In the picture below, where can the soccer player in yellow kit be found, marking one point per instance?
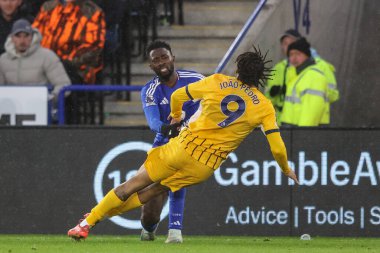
(231, 107)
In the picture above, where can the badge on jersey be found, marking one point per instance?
(149, 100)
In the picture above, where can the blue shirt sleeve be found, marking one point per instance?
(151, 111)
(152, 115)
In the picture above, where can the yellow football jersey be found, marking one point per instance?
(229, 110)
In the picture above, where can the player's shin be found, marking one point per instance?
(131, 203)
(109, 202)
(176, 206)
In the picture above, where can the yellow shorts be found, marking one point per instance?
(171, 165)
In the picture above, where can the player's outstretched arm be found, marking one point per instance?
(278, 150)
(178, 98)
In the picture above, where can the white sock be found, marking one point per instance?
(83, 223)
(175, 231)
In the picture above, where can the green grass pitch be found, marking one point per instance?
(196, 244)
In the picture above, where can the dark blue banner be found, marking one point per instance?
(50, 177)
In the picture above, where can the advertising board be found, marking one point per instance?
(51, 176)
(23, 106)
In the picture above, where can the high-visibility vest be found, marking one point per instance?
(306, 98)
(283, 74)
(332, 91)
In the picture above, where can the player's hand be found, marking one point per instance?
(293, 176)
(174, 120)
(275, 90)
(171, 130)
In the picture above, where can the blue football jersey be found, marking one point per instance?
(155, 98)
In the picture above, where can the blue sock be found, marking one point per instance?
(176, 207)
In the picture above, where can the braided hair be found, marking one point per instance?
(251, 68)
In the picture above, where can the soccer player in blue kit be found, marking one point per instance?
(155, 97)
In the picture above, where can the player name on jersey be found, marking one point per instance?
(237, 85)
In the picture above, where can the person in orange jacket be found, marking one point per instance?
(75, 31)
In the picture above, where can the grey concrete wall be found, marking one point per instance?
(344, 32)
(360, 103)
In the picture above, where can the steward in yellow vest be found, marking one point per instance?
(283, 73)
(306, 98)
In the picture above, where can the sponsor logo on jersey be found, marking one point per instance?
(164, 101)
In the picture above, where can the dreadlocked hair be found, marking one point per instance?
(251, 68)
(158, 44)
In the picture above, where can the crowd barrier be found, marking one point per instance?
(25, 105)
(51, 176)
(32, 106)
(87, 89)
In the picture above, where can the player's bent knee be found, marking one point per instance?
(135, 184)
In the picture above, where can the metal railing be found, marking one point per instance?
(240, 36)
(92, 88)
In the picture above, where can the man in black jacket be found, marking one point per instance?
(10, 10)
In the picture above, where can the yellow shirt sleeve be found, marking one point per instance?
(179, 97)
(278, 150)
(269, 122)
(276, 143)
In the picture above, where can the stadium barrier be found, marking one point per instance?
(25, 105)
(53, 175)
(87, 89)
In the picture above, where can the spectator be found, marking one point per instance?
(10, 11)
(75, 31)
(25, 62)
(283, 73)
(33, 6)
(114, 11)
(306, 94)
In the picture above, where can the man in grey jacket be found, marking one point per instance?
(25, 62)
